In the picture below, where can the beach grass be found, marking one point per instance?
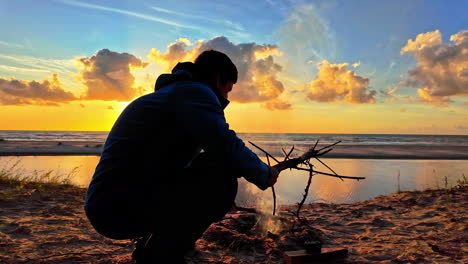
(13, 173)
(463, 181)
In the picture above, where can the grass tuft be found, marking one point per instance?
(16, 174)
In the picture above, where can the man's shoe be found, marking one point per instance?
(138, 252)
(144, 253)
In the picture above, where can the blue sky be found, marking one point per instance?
(369, 32)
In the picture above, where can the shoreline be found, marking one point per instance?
(46, 223)
(397, 152)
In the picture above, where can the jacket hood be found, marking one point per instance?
(184, 71)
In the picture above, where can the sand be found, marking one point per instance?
(62, 148)
(43, 223)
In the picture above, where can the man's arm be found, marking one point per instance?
(199, 113)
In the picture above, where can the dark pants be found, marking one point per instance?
(175, 212)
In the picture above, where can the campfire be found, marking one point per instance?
(272, 237)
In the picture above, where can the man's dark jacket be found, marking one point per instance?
(162, 132)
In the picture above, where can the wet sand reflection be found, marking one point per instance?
(381, 178)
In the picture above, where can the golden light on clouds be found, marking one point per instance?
(335, 83)
(48, 92)
(176, 52)
(266, 98)
(258, 80)
(441, 72)
(107, 76)
(267, 51)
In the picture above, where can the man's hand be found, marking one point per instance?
(274, 173)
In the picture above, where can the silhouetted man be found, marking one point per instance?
(170, 164)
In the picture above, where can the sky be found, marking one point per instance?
(328, 66)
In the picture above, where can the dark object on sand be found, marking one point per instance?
(313, 246)
(59, 144)
(327, 255)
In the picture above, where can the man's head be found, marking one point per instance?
(216, 70)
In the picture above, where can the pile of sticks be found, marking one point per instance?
(299, 163)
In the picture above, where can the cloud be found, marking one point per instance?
(47, 92)
(390, 94)
(176, 52)
(442, 68)
(40, 64)
(335, 83)
(258, 71)
(107, 75)
(277, 104)
(425, 96)
(215, 21)
(305, 36)
(357, 64)
(13, 45)
(14, 69)
(128, 13)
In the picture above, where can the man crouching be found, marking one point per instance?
(170, 164)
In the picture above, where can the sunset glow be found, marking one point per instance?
(304, 66)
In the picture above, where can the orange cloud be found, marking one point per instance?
(335, 83)
(277, 104)
(47, 92)
(258, 70)
(442, 68)
(107, 75)
(176, 52)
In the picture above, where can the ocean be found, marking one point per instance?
(383, 176)
(269, 141)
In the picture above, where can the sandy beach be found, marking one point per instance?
(44, 223)
(63, 148)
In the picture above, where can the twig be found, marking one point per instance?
(289, 153)
(285, 154)
(332, 175)
(268, 154)
(274, 199)
(272, 189)
(323, 163)
(306, 192)
(331, 145)
(316, 143)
